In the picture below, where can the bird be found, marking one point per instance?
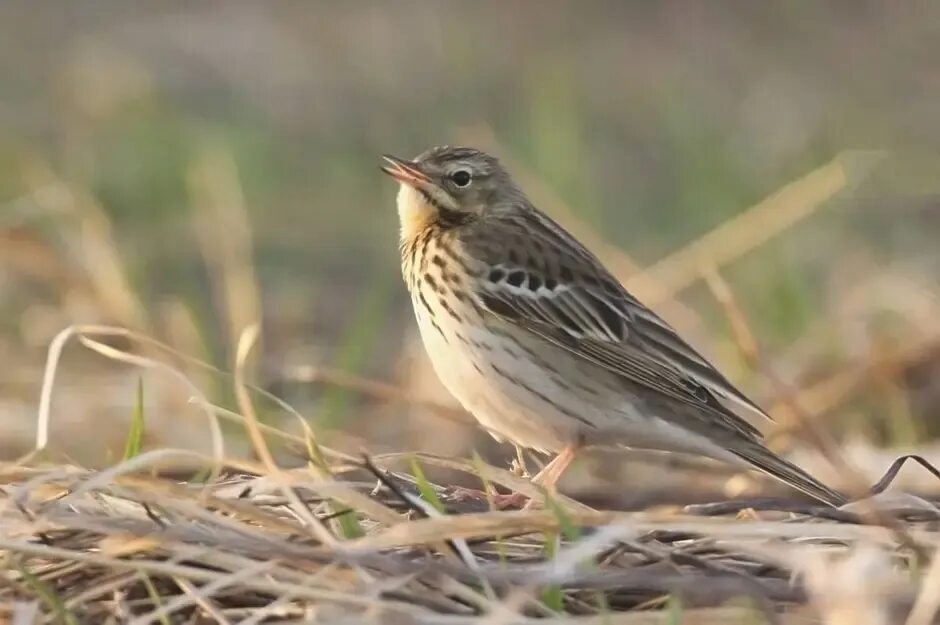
(542, 344)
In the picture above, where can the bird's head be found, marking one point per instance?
(448, 186)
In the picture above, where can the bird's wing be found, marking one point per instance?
(548, 284)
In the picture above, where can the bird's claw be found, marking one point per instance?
(500, 501)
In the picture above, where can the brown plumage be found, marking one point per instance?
(541, 343)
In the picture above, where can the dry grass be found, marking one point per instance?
(345, 539)
(134, 544)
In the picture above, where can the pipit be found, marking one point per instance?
(539, 342)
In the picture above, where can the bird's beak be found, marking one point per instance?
(406, 172)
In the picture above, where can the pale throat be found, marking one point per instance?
(415, 213)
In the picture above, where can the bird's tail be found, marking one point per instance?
(788, 473)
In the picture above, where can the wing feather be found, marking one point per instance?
(593, 317)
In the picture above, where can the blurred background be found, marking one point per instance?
(765, 175)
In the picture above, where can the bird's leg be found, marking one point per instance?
(519, 466)
(549, 476)
(500, 501)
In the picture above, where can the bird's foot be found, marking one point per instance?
(500, 501)
(518, 465)
(511, 501)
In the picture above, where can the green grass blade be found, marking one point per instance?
(154, 596)
(424, 486)
(314, 453)
(552, 595)
(603, 606)
(136, 435)
(488, 490)
(487, 486)
(673, 611)
(346, 523)
(569, 530)
(201, 476)
(47, 595)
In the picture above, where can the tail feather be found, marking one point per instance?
(790, 474)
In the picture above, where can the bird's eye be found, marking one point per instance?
(461, 177)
